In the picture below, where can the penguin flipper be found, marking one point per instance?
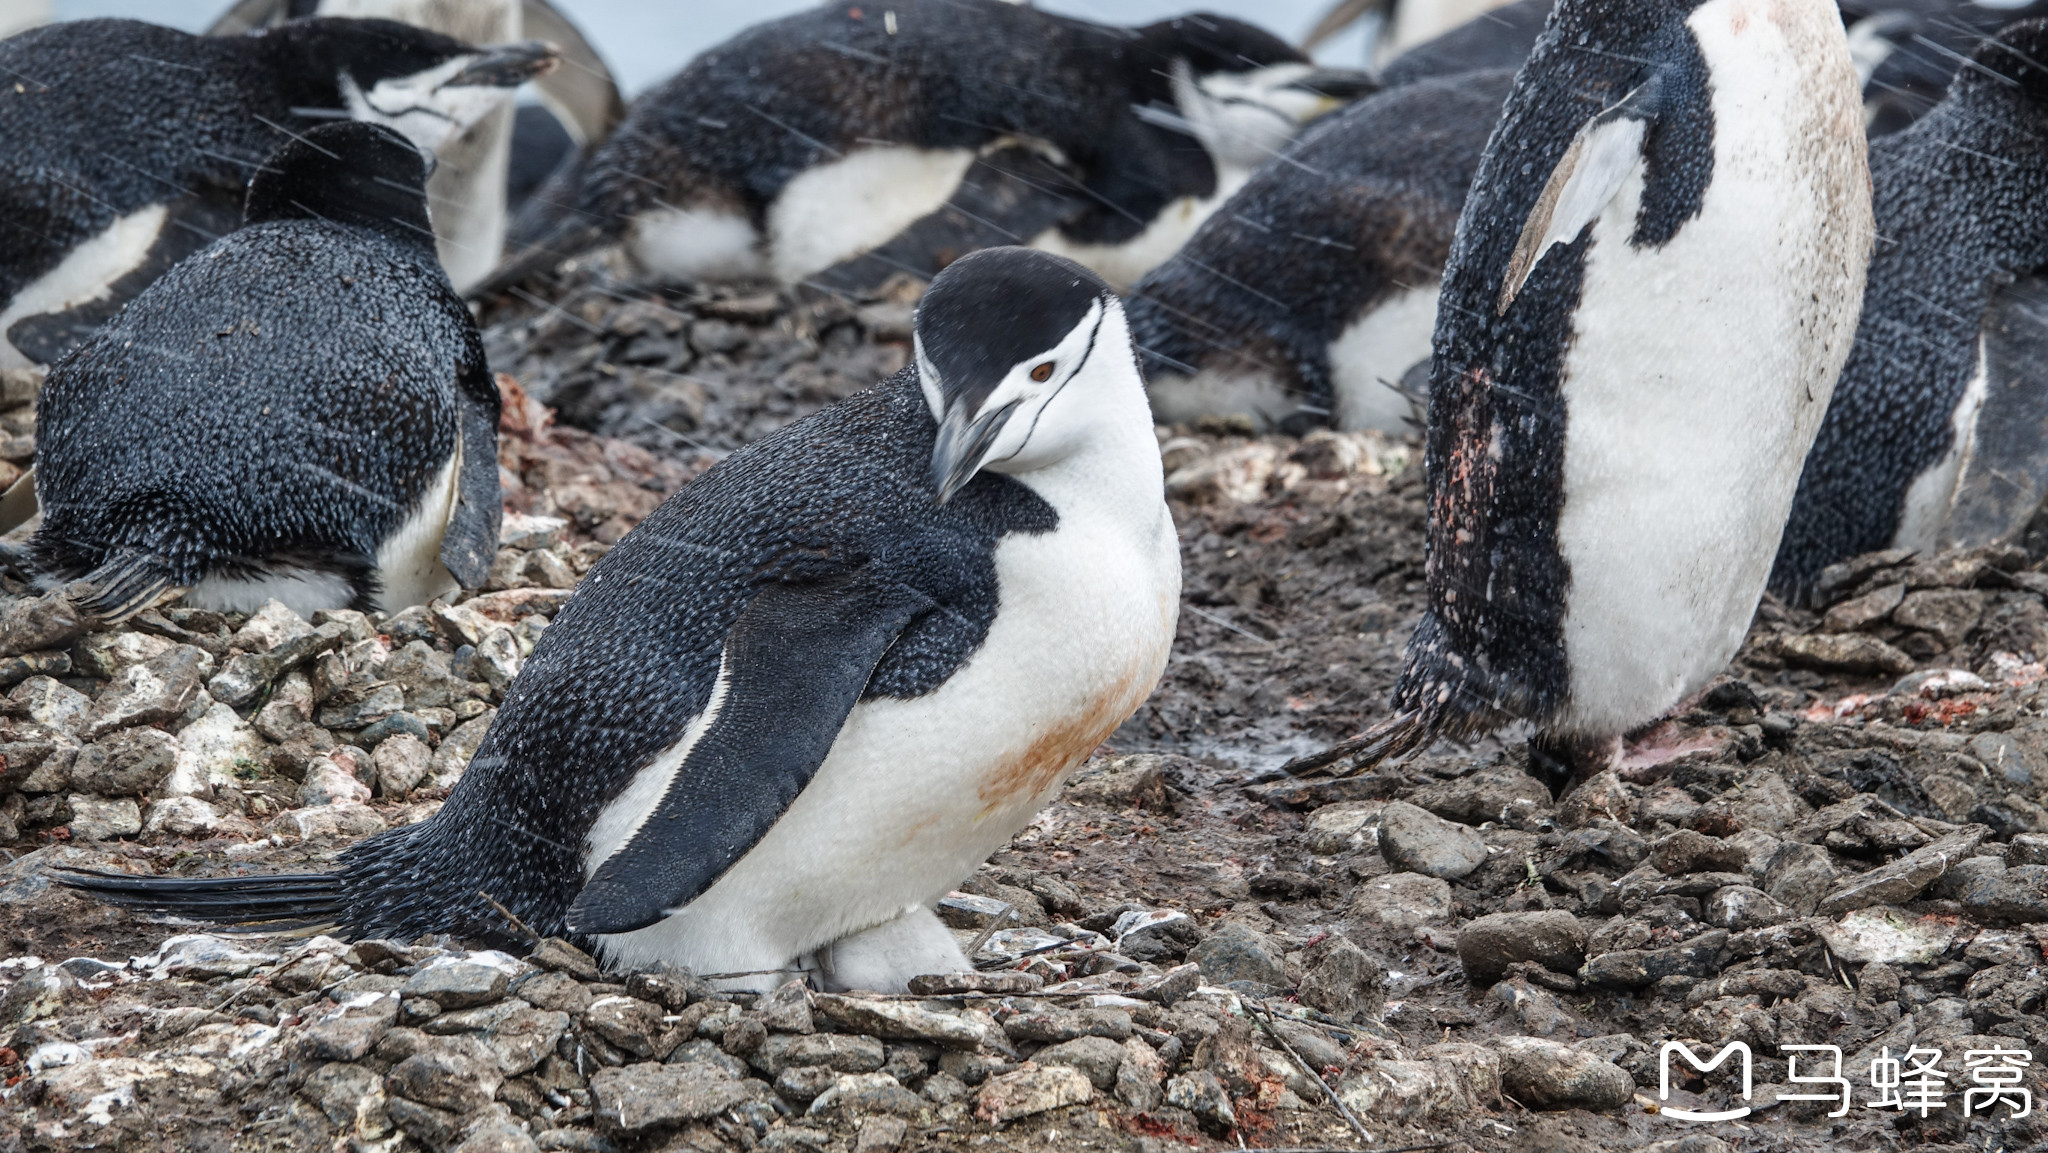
(1607, 148)
(470, 541)
(2004, 476)
(1006, 197)
(795, 663)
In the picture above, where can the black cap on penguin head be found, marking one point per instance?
(363, 175)
(1212, 43)
(2015, 60)
(367, 50)
(997, 334)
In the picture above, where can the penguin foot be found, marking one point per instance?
(886, 957)
(1562, 760)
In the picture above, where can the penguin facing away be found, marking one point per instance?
(1938, 432)
(300, 411)
(1635, 347)
(753, 162)
(803, 699)
(1310, 297)
(129, 145)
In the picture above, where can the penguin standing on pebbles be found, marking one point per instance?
(1309, 299)
(1653, 288)
(1108, 145)
(300, 411)
(1938, 433)
(128, 145)
(819, 685)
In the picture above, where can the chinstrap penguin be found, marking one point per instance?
(128, 145)
(1310, 296)
(300, 410)
(821, 683)
(1908, 51)
(471, 187)
(1652, 290)
(806, 142)
(1938, 433)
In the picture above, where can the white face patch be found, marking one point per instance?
(1244, 118)
(1039, 430)
(424, 107)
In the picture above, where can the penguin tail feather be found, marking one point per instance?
(1397, 736)
(125, 585)
(266, 904)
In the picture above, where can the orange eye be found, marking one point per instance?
(1042, 373)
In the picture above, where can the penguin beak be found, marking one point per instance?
(1337, 86)
(962, 443)
(508, 66)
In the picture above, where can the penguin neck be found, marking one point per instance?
(1114, 473)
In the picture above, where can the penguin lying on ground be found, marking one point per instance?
(1653, 288)
(1310, 296)
(805, 142)
(128, 145)
(470, 189)
(1497, 39)
(1938, 433)
(821, 683)
(300, 411)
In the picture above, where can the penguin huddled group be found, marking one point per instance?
(1621, 272)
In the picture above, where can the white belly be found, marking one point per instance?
(916, 793)
(839, 209)
(1369, 357)
(1244, 391)
(1700, 371)
(1923, 516)
(1123, 265)
(85, 274)
(689, 245)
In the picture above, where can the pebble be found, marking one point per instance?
(1903, 879)
(633, 1025)
(1402, 901)
(457, 1074)
(1239, 953)
(104, 819)
(1098, 1058)
(899, 1021)
(455, 984)
(1035, 1089)
(1488, 945)
(1544, 1074)
(1203, 1095)
(634, 1098)
(1686, 851)
(1340, 979)
(859, 1093)
(1418, 841)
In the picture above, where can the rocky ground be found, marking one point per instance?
(1842, 843)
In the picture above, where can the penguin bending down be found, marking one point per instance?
(1938, 433)
(1310, 297)
(753, 162)
(1653, 288)
(819, 685)
(300, 411)
(470, 188)
(128, 145)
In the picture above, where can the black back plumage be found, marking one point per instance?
(744, 118)
(288, 393)
(1958, 201)
(1497, 39)
(1360, 207)
(107, 117)
(1930, 39)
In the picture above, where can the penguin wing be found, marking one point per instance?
(470, 541)
(2005, 471)
(1607, 148)
(1006, 197)
(794, 665)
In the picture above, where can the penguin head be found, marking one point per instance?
(365, 175)
(429, 87)
(2015, 62)
(1022, 355)
(1242, 91)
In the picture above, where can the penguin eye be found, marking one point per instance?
(1042, 373)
